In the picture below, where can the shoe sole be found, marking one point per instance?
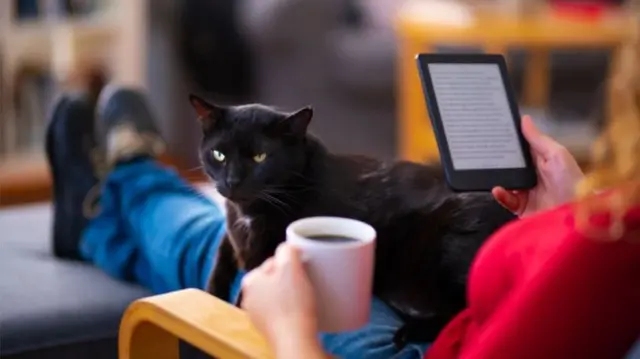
(59, 194)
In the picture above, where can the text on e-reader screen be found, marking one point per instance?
(477, 119)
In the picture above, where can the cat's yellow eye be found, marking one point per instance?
(218, 156)
(260, 157)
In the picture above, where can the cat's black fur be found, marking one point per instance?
(427, 234)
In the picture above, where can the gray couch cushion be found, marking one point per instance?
(46, 302)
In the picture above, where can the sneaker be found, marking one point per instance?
(70, 143)
(126, 129)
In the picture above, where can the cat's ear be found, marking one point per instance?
(208, 113)
(298, 121)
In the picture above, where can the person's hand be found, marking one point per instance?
(280, 302)
(558, 175)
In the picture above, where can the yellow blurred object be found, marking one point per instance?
(496, 32)
(151, 328)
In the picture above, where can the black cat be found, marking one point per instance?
(272, 173)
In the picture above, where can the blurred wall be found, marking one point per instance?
(168, 89)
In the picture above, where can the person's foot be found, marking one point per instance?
(126, 129)
(70, 144)
(81, 150)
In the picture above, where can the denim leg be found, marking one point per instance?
(154, 229)
(373, 341)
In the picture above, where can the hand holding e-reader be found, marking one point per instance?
(476, 122)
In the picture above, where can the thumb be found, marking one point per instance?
(287, 254)
(540, 143)
(248, 279)
(514, 202)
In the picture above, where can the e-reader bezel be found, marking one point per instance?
(476, 179)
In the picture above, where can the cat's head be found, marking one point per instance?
(251, 151)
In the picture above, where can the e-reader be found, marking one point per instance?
(476, 122)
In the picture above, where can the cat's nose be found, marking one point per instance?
(233, 182)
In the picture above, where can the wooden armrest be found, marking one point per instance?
(151, 327)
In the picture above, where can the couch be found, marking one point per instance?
(53, 308)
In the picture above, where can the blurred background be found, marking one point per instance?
(352, 60)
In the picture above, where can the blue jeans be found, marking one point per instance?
(156, 230)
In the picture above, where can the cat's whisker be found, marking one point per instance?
(277, 200)
(300, 175)
(198, 168)
(280, 191)
(192, 179)
(292, 188)
(288, 186)
(200, 194)
(273, 201)
(291, 199)
(286, 204)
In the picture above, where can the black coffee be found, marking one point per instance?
(331, 238)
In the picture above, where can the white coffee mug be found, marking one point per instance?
(341, 272)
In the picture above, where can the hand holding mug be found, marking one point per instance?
(319, 280)
(279, 298)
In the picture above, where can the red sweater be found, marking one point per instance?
(538, 289)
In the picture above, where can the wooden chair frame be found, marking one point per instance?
(152, 327)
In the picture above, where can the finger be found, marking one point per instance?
(248, 279)
(523, 200)
(295, 256)
(507, 199)
(287, 254)
(541, 144)
(513, 201)
(268, 265)
(283, 254)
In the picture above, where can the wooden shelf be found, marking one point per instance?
(45, 43)
(26, 179)
(113, 39)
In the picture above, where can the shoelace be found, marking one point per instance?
(90, 206)
(136, 144)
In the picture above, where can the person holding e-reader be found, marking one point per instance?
(476, 122)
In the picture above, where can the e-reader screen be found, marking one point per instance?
(474, 109)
